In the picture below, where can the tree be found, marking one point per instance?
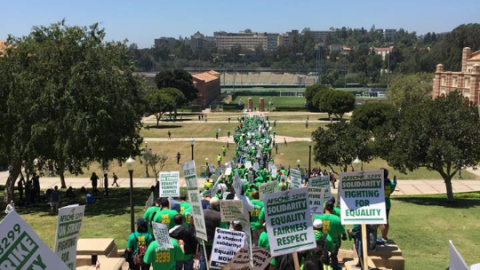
(152, 160)
(374, 116)
(440, 135)
(408, 90)
(177, 96)
(179, 79)
(159, 103)
(340, 144)
(67, 96)
(336, 102)
(312, 90)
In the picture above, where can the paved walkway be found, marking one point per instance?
(278, 138)
(405, 187)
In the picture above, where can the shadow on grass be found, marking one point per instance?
(163, 127)
(463, 200)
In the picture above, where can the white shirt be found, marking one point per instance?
(9, 208)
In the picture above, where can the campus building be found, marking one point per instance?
(3, 48)
(287, 38)
(168, 42)
(383, 51)
(467, 81)
(247, 40)
(320, 36)
(199, 42)
(208, 85)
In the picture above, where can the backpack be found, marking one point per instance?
(322, 250)
(139, 253)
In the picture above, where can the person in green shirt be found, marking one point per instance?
(224, 150)
(263, 243)
(140, 238)
(219, 160)
(208, 184)
(165, 216)
(164, 258)
(389, 188)
(256, 226)
(150, 212)
(333, 226)
(185, 210)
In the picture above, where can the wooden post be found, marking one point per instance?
(295, 261)
(364, 247)
(207, 260)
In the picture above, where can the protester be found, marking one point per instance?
(20, 184)
(165, 215)
(164, 258)
(150, 213)
(54, 201)
(115, 179)
(69, 193)
(255, 225)
(94, 180)
(178, 157)
(185, 209)
(389, 187)
(212, 221)
(224, 150)
(219, 160)
(137, 245)
(105, 184)
(169, 135)
(207, 195)
(36, 184)
(10, 207)
(187, 235)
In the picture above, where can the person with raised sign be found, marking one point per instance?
(165, 215)
(389, 187)
(333, 226)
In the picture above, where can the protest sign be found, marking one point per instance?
(22, 249)
(160, 231)
(273, 170)
(149, 201)
(456, 260)
(238, 184)
(228, 171)
(268, 188)
(321, 182)
(231, 210)
(248, 237)
(241, 260)
(316, 197)
(289, 225)
(248, 164)
(190, 174)
(295, 179)
(362, 197)
(68, 227)
(219, 171)
(225, 244)
(256, 166)
(169, 184)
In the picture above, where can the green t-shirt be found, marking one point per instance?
(330, 244)
(257, 208)
(166, 217)
(336, 211)
(389, 189)
(148, 216)
(138, 239)
(161, 258)
(263, 242)
(208, 185)
(261, 216)
(331, 225)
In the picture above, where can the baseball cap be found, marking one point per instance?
(318, 224)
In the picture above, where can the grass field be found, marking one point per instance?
(277, 101)
(421, 225)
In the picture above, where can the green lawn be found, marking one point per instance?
(420, 225)
(277, 101)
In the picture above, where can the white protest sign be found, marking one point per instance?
(316, 197)
(231, 210)
(160, 231)
(149, 201)
(295, 179)
(68, 227)
(248, 237)
(273, 170)
(289, 225)
(261, 259)
(228, 171)
(238, 184)
(456, 260)
(256, 166)
(321, 182)
(248, 164)
(22, 249)
(362, 198)
(225, 244)
(268, 188)
(169, 184)
(190, 174)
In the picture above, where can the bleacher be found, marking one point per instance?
(268, 78)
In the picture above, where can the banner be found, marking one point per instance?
(190, 174)
(268, 188)
(160, 231)
(289, 225)
(316, 197)
(261, 259)
(295, 179)
(321, 182)
(22, 249)
(456, 260)
(238, 184)
(169, 184)
(225, 244)
(68, 228)
(362, 198)
(231, 210)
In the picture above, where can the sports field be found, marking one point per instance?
(276, 101)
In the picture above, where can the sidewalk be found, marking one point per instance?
(404, 187)
(224, 139)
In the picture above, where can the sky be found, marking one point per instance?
(142, 21)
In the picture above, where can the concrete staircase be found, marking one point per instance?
(106, 250)
(384, 257)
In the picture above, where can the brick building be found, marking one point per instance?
(467, 81)
(208, 85)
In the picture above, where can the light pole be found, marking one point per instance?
(146, 160)
(130, 163)
(309, 156)
(298, 163)
(192, 143)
